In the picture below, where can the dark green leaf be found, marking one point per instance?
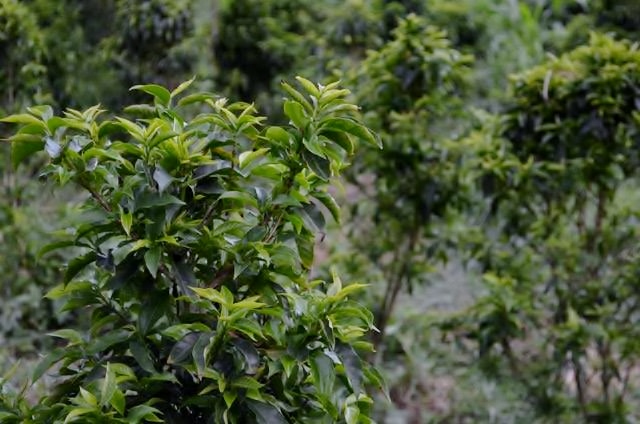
(78, 264)
(150, 200)
(47, 362)
(55, 246)
(142, 356)
(265, 413)
(105, 341)
(352, 365)
(162, 178)
(340, 138)
(319, 165)
(330, 203)
(323, 373)
(152, 259)
(181, 351)
(312, 217)
(250, 355)
(306, 250)
(156, 306)
(199, 352)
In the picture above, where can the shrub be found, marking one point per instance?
(561, 273)
(196, 244)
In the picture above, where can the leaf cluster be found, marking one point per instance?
(195, 250)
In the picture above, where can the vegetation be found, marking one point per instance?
(180, 259)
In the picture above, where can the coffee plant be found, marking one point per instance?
(193, 259)
(411, 89)
(561, 271)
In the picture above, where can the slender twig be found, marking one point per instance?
(97, 197)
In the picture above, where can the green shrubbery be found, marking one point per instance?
(195, 249)
(522, 220)
(561, 271)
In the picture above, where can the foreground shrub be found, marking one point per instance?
(197, 240)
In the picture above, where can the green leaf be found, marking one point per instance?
(118, 402)
(323, 373)
(62, 290)
(352, 366)
(265, 413)
(162, 95)
(141, 111)
(78, 264)
(312, 217)
(352, 127)
(132, 128)
(295, 112)
(211, 294)
(78, 412)
(271, 171)
(352, 414)
(248, 327)
(181, 351)
(54, 246)
(246, 383)
(374, 377)
(319, 165)
(229, 397)
(72, 336)
(183, 86)
(199, 353)
(340, 138)
(196, 98)
(21, 150)
(108, 387)
(151, 200)
(152, 259)
(246, 158)
(279, 135)
(44, 112)
(336, 286)
(88, 397)
(162, 178)
(102, 343)
(142, 356)
(330, 203)
(309, 86)
(306, 250)
(156, 306)
(250, 355)
(315, 146)
(241, 197)
(126, 219)
(247, 304)
(143, 412)
(22, 118)
(297, 96)
(346, 291)
(47, 362)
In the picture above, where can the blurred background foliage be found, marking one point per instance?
(498, 228)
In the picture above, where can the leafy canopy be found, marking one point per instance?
(196, 245)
